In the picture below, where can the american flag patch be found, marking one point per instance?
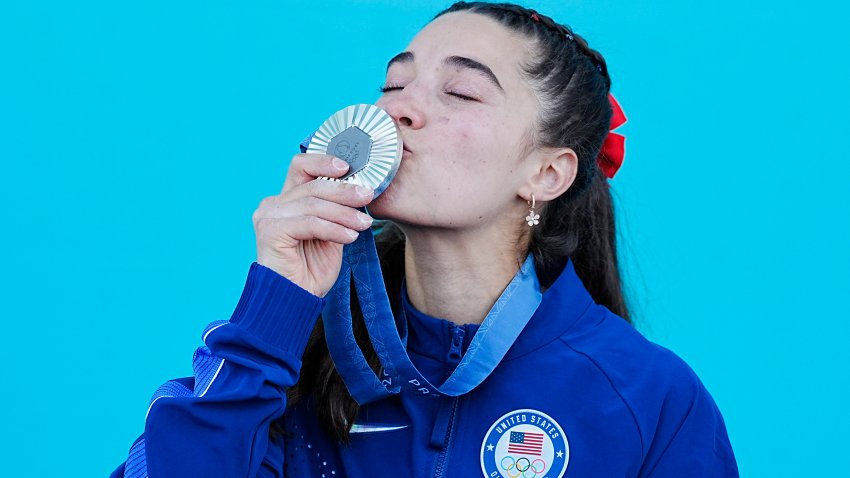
(526, 443)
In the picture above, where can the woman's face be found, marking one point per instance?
(465, 116)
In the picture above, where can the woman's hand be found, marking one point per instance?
(301, 231)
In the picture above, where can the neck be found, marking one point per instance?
(458, 275)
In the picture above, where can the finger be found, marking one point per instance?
(308, 166)
(347, 194)
(327, 210)
(307, 228)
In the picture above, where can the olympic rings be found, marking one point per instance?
(509, 467)
(524, 467)
(542, 464)
(526, 464)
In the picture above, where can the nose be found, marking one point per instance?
(403, 108)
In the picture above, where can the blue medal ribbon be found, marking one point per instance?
(496, 334)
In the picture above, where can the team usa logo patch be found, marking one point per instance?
(525, 444)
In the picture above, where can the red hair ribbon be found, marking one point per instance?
(614, 147)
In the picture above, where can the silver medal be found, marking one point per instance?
(365, 137)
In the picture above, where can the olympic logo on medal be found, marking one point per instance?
(525, 444)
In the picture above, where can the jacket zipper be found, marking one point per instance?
(454, 355)
(440, 468)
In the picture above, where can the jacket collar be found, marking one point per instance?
(562, 305)
(432, 336)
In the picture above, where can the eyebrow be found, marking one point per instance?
(403, 57)
(455, 61)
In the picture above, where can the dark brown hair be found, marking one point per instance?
(572, 84)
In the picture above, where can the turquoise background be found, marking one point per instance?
(136, 140)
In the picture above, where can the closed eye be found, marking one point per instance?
(384, 89)
(463, 97)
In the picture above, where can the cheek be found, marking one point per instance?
(474, 145)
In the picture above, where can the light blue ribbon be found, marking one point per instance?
(495, 336)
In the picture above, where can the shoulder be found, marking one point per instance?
(660, 389)
(627, 357)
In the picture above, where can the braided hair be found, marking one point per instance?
(571, 83)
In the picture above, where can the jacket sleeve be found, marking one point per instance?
(216, 423)
(691, 438)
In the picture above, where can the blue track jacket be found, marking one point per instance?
(580, 394)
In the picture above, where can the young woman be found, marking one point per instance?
(503, 113)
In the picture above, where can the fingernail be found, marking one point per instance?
(364, 191)
(365, 219)
(351, 233)
(339, 164)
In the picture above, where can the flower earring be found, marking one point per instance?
(532, 219)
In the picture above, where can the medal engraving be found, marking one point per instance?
(353, 147)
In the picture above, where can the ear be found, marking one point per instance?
(555, 172)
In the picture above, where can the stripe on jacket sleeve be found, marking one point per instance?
(212, 326)
(170, 388)
(136, 465)
(206, 368)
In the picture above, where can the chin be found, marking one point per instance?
(385, 206)
(390, 206)
(401, 204)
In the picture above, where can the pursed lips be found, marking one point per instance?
(405, 150)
